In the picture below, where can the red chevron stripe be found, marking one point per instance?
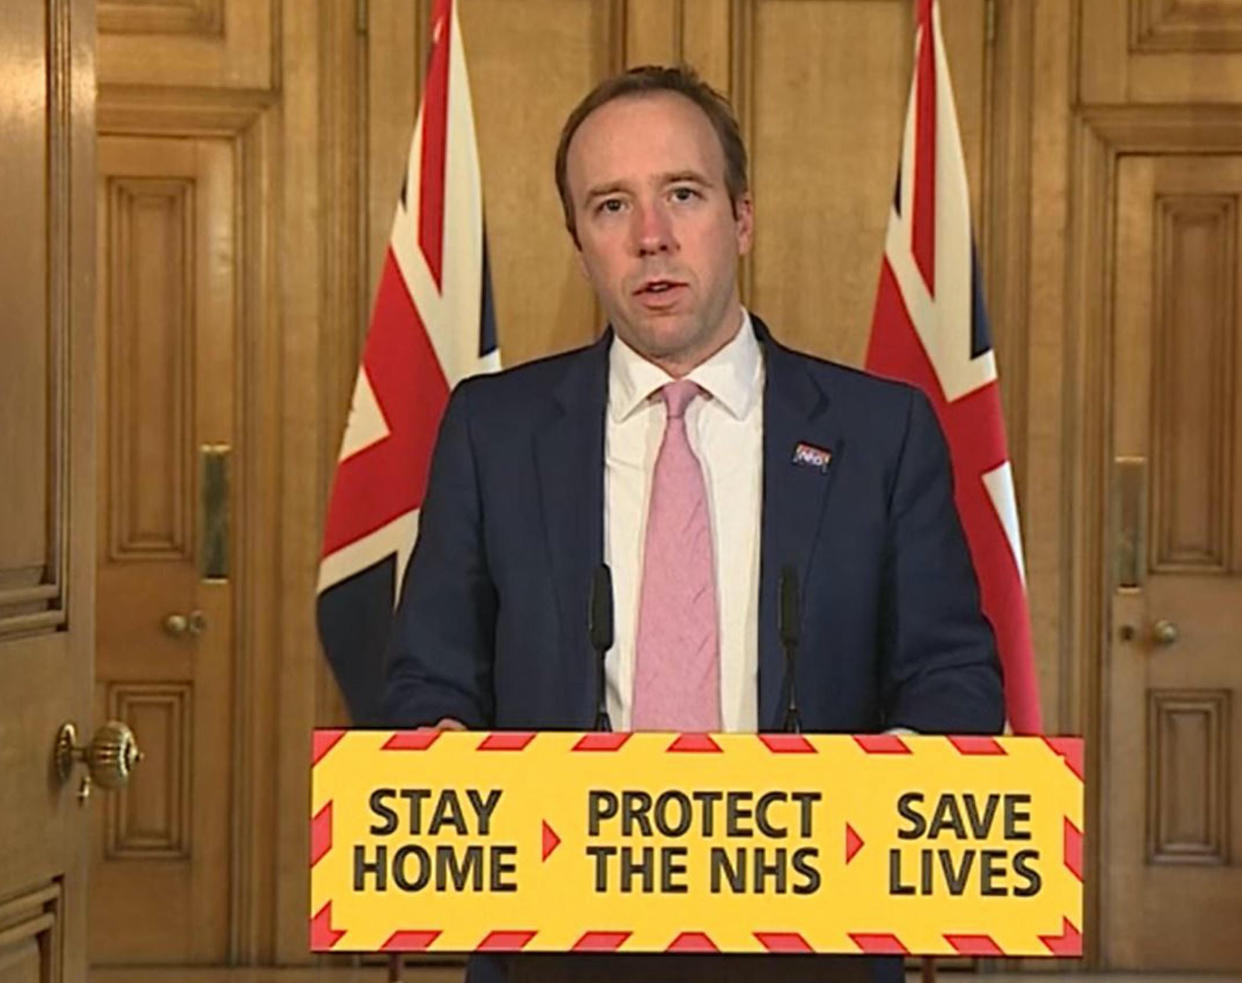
(1072, 847)
(879, 944)
(323, 741)
(1071, 750)
(881, 743)
(601, 742)
(783, 942)
(692, 942)
(977, 745)
(505, 741)
(1068, 943)
(410, 940)
(321, 834)
(787, 744)
(508, 941)
(322, 935)
(411, 740)
(600, 941)
(974, 945)
(694, 744)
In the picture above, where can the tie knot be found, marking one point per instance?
(677, 396)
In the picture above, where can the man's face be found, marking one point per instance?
(657, 236)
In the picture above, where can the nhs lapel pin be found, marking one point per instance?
(810, 456)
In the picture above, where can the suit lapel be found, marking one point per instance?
(569, 461)
(795, 411)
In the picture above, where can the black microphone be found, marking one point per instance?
(599, 627)
(789, 629)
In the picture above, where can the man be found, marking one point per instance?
(700, 459)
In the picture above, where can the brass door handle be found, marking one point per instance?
(1164, 632)
(109, 758)
(178, 625)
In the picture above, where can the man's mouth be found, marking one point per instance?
(656, 287)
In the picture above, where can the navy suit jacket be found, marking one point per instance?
(492, 625)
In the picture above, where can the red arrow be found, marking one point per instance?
(853, 843)
(550, 840)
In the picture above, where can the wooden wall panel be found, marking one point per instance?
(1188, 767)
(30, 936)
(521, 98)
(31, 379)
(1185, 26)
(1193, 389)
(209, 43)
(825, 91)
(194, 17)
(543, 304)
(1161, 51)
(151, 819)
(150, 289)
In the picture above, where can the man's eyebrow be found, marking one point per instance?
(676, 177)
(600, 190)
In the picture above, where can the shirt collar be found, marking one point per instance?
(733, 375)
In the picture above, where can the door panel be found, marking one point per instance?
(1174, 887)
(167, 302)
(46, 447)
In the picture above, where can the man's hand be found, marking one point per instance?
(445, 723)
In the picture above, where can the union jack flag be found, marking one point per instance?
(432, 325)
(930, 328)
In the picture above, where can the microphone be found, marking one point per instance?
(599, 627)
(789, 623)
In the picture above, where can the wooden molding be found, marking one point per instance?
(204, 18)
(1164, 26)
(741, 93)
(31, 930)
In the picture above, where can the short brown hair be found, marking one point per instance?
(658, 78)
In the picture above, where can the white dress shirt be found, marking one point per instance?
(725, 428)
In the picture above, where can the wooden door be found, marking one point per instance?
(1173, 891)
(160, 863)
(47, 96)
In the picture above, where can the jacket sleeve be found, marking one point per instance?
(940, 668)
(440, 650)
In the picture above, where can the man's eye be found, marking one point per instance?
(612, 205)
(684, 194)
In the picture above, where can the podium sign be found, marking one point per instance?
(556, 842)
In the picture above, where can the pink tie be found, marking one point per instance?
(677, 681)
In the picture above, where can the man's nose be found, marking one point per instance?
(653, 232)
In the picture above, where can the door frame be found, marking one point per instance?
(1100, 136)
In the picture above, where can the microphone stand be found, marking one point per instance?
(600, 629)
(789, 629)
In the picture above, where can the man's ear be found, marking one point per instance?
(581, 260)
(745, 209)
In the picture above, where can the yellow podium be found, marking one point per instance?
(558, 842)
